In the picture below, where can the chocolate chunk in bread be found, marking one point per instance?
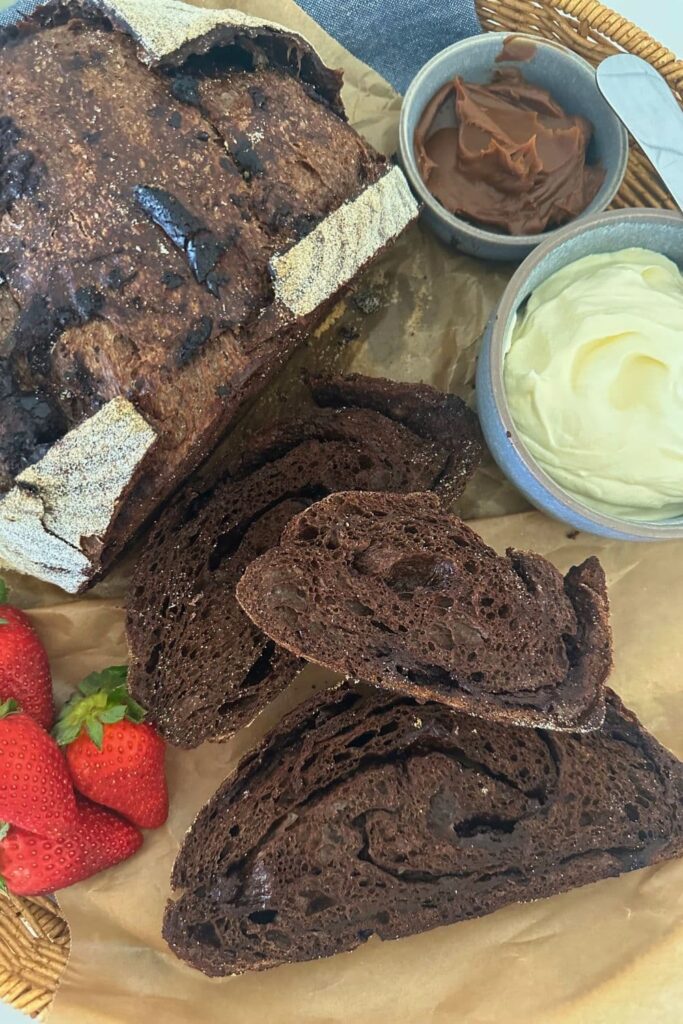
(197, 662)
(393, 590)
(195, 149)
(365, 813)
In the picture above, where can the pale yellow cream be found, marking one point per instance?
(594, 381)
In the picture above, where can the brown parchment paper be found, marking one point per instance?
(610, 952)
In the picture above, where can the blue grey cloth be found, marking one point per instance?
(395, 37)
(9, 15)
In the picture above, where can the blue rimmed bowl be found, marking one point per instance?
(658, 230)
(567, 77)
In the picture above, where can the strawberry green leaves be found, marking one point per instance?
(9, 707)
(101, 699)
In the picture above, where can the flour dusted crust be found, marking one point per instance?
(163, 29)
(343, 243)
(168, 31)
(207, 298)
(52, 520)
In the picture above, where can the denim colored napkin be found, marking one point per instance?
(395, 37)
(16, 11)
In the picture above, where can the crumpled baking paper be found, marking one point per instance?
(609, 952)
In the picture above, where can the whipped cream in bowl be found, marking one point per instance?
(580, 378)
(594, 381)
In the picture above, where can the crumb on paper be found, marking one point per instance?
(336, 313)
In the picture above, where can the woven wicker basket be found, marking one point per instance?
(594, 32)
(34, 939)
(34, 948)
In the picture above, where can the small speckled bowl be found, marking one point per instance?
(566, 76)
(659, 230)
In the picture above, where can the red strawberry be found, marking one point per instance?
(114, 757)
(32, 865)
(36, 792)
(24, 668)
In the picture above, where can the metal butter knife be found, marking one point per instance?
(641, 98)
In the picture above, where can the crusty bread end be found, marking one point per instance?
(54, 519)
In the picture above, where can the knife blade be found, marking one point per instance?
(641, 98)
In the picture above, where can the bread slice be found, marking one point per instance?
(393, 590)
(365, 813)
(197, 662)
(167, 253)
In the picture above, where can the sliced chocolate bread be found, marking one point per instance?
(197, 662)
(394, 590)
(365, 813)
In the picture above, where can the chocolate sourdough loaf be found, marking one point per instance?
(364, 813)
(169, 180)
(393, 590)
(197, 662)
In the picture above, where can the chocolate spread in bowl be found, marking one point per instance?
(516, 48)
(505, 155)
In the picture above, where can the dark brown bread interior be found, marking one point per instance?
(197, 662)
(394, 590)
(139, 209)
(365, 813)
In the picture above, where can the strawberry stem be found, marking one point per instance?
(10, 707)
(3, 592)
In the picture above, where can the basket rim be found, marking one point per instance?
(609, 24)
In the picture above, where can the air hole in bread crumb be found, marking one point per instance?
(308, 533)
(153, 659)
(205, 933)
(263, 916)
(362, 740)
(387, 728)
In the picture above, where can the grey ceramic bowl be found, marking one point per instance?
(607, 232)
(569, 79)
